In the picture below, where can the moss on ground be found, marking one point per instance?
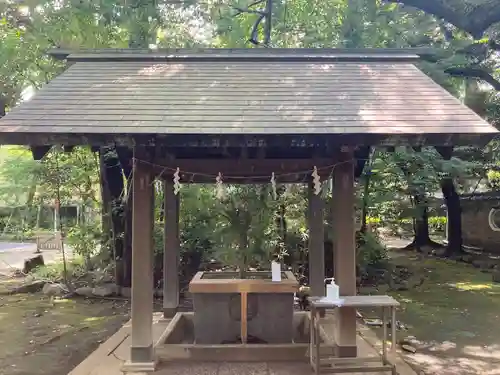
(42, 337)
(454, 314)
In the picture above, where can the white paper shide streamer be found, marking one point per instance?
(176, 179)
(316, 181)
(219, 187)
(273, 186)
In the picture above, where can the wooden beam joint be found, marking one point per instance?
(445, 151)
(39, 152)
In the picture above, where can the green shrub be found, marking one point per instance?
(85, 240)
(55, 271)
(437, 224)
(372, 258)
(370, 251)
(374, 222)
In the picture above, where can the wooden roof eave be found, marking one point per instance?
(199, 104)
(268, 140)
(243, 54)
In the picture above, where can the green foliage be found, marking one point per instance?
(437, 224)
(84, 239)
(73, 174)
(16, 167)
(245, 228)
(493, 179)
(404, 182)
(198, 220)
(29, 188)
(54, 272)
(370, 253)
(371, 220)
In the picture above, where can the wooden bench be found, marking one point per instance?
(49, 241)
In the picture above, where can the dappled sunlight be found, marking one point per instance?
(449, 365)
(151, 70)
(10, 281)
(94, 318)
(64, 301)
(448, 358)
(442, 347)
(486, 352)
(163, 70)
(63, 326)
(474, 286)
(453, 316)
(367, 69)
(405, 300)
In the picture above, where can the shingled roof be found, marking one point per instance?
(252, 93)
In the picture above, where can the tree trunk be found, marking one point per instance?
(161, 217)
(113, 180)
(39, 215)
(243, 248)
(127, 253)
(107, 227)
(282, 229)
(125, 158)
(421, 237)
(454, 210)
(27, 214)
(364, 207)
(421, 219)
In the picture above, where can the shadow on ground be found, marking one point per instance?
(453, 315)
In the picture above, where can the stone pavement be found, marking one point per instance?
(110, 356)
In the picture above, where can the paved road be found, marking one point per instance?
(13, 255)
(9, 246)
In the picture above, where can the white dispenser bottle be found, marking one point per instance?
(332, 290)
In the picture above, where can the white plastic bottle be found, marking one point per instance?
(332, 290)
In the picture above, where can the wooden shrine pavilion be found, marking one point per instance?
(243, 114)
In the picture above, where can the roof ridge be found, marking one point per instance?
(243, 54)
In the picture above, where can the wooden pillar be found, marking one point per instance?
(316, 243)
(142, 355)
(170, 251)
(345, 252)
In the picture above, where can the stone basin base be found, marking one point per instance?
(177, 343)
(254, 310)
(217, 318)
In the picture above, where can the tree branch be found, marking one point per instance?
(483, 16)
(263, 15)
(474, 19)
(474, 73)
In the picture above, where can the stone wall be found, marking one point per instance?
(217, 317)
(476, 230)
